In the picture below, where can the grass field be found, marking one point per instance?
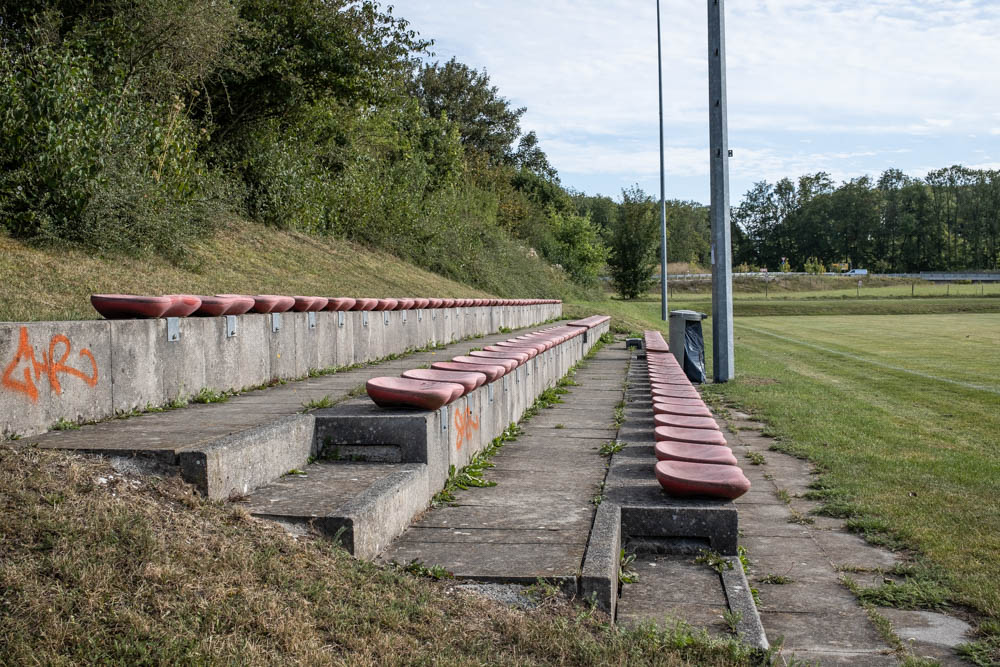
(903, 415)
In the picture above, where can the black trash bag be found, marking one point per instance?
(694, 353)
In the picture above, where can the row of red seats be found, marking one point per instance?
(447, 381)
(693, 457)
(128, 306)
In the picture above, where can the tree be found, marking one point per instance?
(634, 244)
(486, 121)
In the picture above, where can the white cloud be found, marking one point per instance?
(854, 77)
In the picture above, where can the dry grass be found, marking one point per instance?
(55, 284)
(100, 568)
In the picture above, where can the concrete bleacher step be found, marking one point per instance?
(231, 448)
(359, 504)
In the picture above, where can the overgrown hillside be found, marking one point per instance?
(141, 126)
(49, 283)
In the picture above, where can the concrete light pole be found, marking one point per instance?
(722, 254)
(663, 180)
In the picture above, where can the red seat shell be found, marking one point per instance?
(272, 303)
(674, 391)
(183, 305)
(217, 306)
(519, 357)
(303, 303)
(686, 451)
(681, 410)
(491, 371)
(682, 478)
(241, 303)
(699, 436)
(340, 303)
(508, 364)
(682, 421)
(393, 392)
(128, 306)
(469, 380)
(319, 303)
(532, 352)
(365, 304)
(385, 304)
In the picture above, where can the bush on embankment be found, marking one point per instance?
(141, 125)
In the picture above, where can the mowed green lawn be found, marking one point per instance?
(903, 414)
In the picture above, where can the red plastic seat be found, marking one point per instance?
(532, 352)
(698, 436)
(508, 364)
(519, 357)
(340, 303)
(217, 306)
(435, 303)
(672, 391)
(128, 306)
(469, 380)
(685, 451)
(421, 303)
(491, 371)
(683, 478)
(365, 304)
(682, 410)
(385, 304)
(183, 305)
(241, 303)
(303, 303)
(447, 303)
(319, 303)
(677, 401)
(405, 304)
(392, 392)
(272, 303)
(682, 421)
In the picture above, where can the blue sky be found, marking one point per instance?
(847, 87)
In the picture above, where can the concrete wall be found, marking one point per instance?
(90, 370)
(452, 435)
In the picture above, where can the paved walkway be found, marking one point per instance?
(819, 619)
(536, 521)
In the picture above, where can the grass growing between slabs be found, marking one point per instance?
(100, 568)
(902, 413)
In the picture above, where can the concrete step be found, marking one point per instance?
(362, 505)
(231, 448)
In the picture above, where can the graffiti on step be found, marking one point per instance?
(49, 367)
(465, 425)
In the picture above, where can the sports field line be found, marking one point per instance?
(928, 376)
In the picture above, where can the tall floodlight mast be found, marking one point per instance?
(663, 180)
(722, 254)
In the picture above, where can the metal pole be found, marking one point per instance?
(663, 180)
(722, 254)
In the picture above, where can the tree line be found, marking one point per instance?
(949, 221)
(138, 125)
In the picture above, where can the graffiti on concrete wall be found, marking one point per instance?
(24, 371)
(465, 426)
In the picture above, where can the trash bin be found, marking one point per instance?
(687, 343)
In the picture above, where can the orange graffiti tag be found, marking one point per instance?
(48, 367)
(464, 426)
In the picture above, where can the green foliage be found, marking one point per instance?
(896, 223)
(485, 120)
(626, 575)
(85, 158)
(813, 265)
(136, 125)
(634, 244)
